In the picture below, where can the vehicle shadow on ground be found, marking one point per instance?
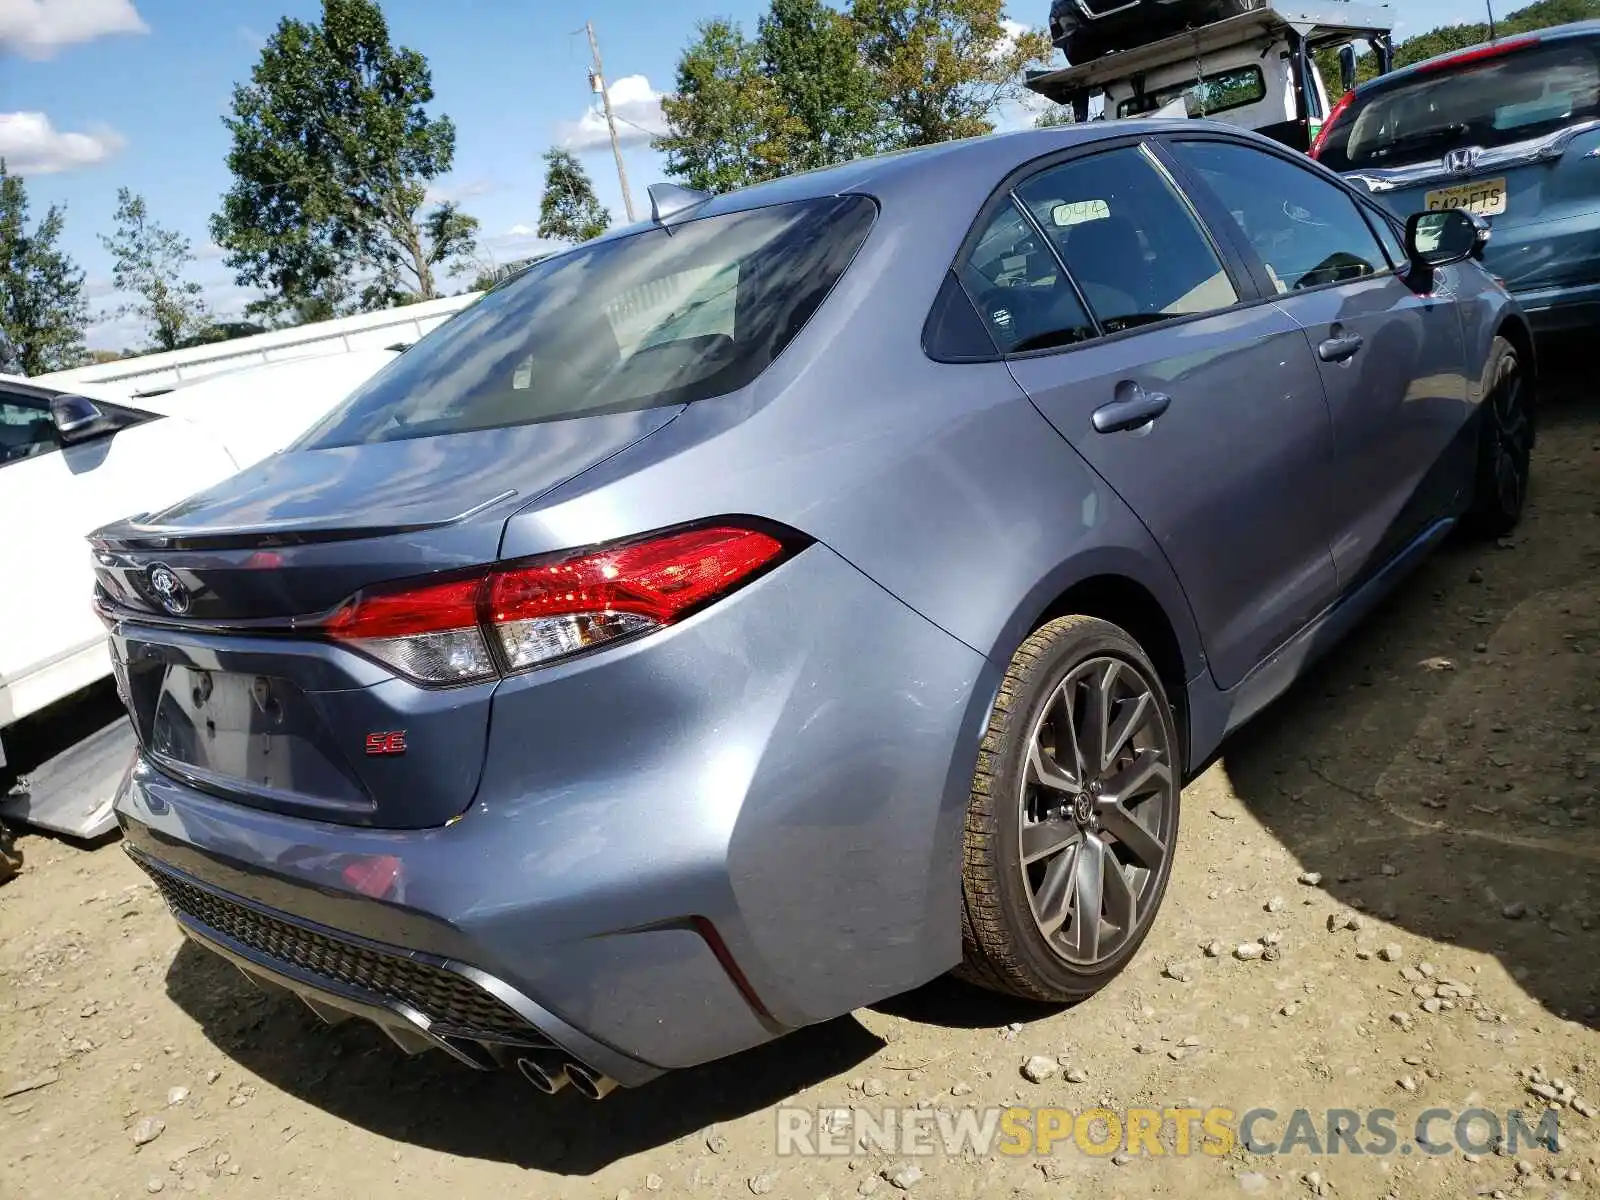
(354, 1072)
(1440, 770)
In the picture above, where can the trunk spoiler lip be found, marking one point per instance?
(130, 536)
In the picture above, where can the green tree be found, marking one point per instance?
(1448, 38)
(149, 262)
(332, 151)
(569, 210)
(726, 124)
(944, 66)
(809, 52)
(1055, 115)
(42, 308)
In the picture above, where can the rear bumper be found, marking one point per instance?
(679, 849)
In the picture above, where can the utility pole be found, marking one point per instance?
(1489, 4)
(597, 76)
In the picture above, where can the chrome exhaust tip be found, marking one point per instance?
(547, 1076)
(589, 1083)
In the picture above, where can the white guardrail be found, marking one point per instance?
(365, 331)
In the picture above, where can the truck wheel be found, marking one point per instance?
(1073, 818)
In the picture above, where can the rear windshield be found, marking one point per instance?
(1491, 102)
(656, 318)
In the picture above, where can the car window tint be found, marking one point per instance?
(26, 429)
(653, 318)
(1306, 231)
(1213, 94)
(1017, 286)
(1130, 241)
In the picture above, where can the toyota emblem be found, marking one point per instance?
(169, 589)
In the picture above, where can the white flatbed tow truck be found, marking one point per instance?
(1254, 70)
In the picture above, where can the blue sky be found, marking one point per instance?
(101, 94)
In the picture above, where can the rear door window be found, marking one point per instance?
(653, 318)
(1488, 102)
(1130, 241)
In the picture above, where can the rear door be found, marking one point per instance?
(1392, 360)
(1202, 409)
(1510, 130)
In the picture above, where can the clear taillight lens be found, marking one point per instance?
(538, 612)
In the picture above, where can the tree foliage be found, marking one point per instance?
(149, 262)
(944, 66)
(809, 52)
(818, 85)
(332, 151)
(569, 211)
(727, 126)
(42, 308)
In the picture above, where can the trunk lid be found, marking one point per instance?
(210, 601)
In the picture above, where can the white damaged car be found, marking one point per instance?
(70, 461)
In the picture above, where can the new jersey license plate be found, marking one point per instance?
(1486, 197)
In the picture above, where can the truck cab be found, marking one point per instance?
(1254, 70)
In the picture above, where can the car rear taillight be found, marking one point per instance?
(524, 615)
(1327, 126)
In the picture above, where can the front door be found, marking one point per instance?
(1392, 360)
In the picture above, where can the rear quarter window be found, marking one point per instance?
(1486, 103)
(654, 318)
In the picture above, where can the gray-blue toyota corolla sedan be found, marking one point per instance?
(773, 605)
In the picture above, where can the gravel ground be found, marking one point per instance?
(1387, 896)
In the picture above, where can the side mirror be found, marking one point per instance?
(1347, 67)
(1439, 238)
(78, 418)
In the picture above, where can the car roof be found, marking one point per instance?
(990, 157)
(1403, 75)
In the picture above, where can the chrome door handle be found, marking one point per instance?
(1133, 408)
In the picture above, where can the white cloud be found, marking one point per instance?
(38, 28)
(636, 107)
(519, 230)
(32, 146)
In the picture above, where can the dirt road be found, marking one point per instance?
(1407, 850)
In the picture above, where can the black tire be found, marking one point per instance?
(1005, 947)
(1504, 447)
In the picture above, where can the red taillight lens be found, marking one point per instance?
(1327, 126)
(542, 611)
(429, 632)
(557, 608)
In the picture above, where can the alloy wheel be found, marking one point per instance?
(1098, 810)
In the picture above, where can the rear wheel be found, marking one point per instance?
(1073, 817)
(1505, 445)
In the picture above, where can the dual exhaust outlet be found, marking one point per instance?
(552, 1072)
